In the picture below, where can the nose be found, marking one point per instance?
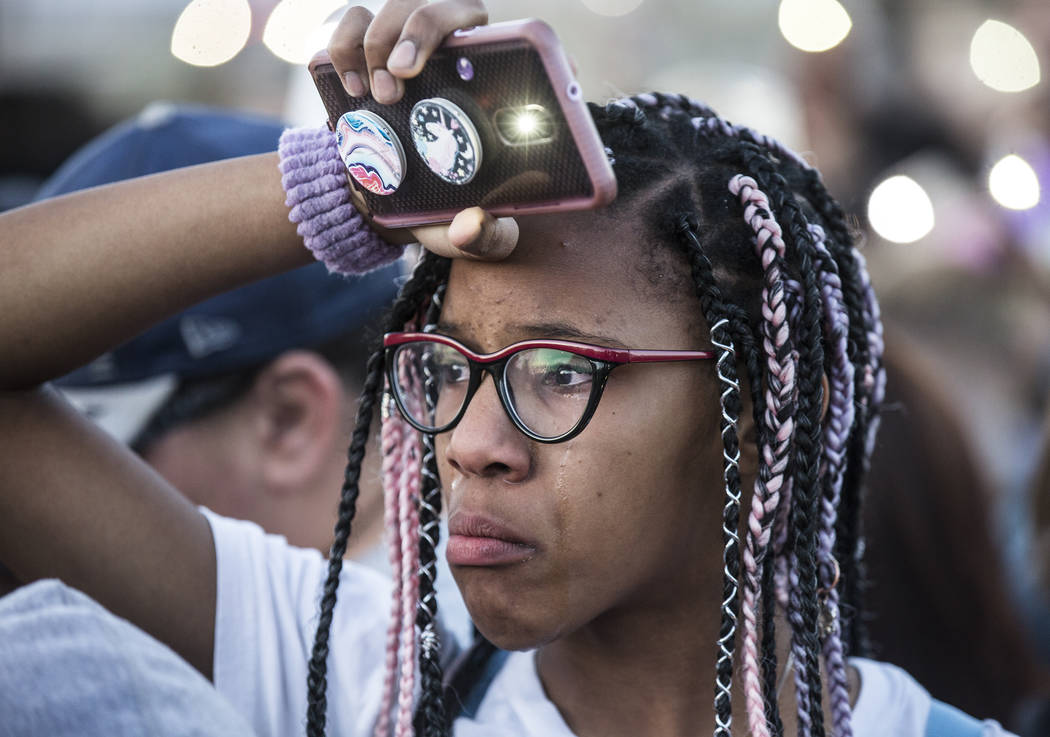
(486, 443)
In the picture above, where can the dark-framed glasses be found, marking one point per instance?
(548, 388)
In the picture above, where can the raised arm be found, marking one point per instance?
(81, 274)
(86, 271)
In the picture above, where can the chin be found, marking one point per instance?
(521, 619)
(513, 633)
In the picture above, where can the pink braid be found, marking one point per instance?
(394, 429)
(780, 535)
(408, 522)
(780, 431)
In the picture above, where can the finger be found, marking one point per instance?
(426, 28)
(473, 234)
(379, 41)
(347, 52)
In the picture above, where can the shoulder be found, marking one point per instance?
(246, 555)
(892, 702)
(265, 621)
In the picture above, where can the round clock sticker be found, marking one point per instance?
(446, 139)
(371, 151)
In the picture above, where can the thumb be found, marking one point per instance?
(472, 234)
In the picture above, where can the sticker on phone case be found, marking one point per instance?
(371, 151)
(446, 139)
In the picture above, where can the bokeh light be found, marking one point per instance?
(813, 25)
(1014, 183)
(211, 32)
(612, 7)
(1003, 58)
(900, 211)
(319, 39)
(294, 27)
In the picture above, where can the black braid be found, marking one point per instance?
(317, 680)
(430, 719)
(806, 494)
(715, 312)
(408, 302)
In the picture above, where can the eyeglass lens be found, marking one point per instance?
(547, 388)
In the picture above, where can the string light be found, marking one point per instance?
(211, 32)
(1014, 184)
(1003, 58)
(900, 211)
(813, 25)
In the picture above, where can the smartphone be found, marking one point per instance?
(495, 120)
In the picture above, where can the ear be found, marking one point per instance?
(747, 434)
(299, 406)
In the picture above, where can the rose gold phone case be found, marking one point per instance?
(514, 64)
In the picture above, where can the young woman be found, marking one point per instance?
(648, 426)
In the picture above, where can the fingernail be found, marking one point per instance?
(354, 84)
(384, 88)
(466, 227)
(404, 56)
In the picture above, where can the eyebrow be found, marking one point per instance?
(557, 330)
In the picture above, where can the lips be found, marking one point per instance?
(477, 540)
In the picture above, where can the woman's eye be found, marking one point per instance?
(566, 377)
(549, 371)
(453, 373)
(446, 367)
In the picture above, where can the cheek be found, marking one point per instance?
(654, 474)
(617, 508)
(640, 490)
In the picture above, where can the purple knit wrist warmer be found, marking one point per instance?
(314, 179)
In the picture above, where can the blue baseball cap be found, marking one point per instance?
(240, 329)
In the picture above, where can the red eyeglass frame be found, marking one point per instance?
(602, 358)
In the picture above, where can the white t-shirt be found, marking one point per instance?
(266, 616)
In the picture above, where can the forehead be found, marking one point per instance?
(588, 272)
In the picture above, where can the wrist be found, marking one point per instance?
(330, 221)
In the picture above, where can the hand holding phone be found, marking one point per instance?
(494, 119)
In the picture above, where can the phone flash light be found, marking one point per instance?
(524, 125)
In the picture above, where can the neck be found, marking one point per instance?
(619, 677)
(652, 672)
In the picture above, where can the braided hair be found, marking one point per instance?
(787, 301)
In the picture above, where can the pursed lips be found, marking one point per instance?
(480, 540)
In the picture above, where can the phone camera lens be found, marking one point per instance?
(574, 92)
(465, 69)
